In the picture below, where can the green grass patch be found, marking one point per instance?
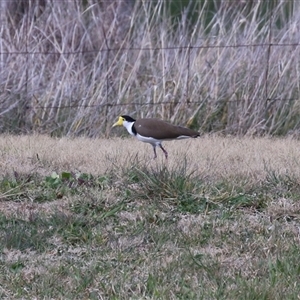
(186, 191)
(149, 232)
(33, 187)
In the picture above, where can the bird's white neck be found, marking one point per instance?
(128, 126)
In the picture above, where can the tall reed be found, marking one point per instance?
(70, 67)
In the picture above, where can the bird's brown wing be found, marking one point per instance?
(162, 130)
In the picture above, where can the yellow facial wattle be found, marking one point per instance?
(119, 122)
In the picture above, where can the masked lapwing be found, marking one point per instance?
(154, 131)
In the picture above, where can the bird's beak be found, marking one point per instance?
(119, 122)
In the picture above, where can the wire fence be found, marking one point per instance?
(270, 53)
(270, 46)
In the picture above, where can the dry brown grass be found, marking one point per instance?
(213, 156)
(80, 59)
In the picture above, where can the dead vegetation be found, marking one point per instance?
(69, 67)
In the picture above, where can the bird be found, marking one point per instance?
(155, 131)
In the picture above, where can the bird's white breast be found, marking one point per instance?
(149, 140)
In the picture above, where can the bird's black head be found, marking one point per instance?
(124, 121)
(128, 119)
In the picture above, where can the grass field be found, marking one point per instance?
(99, 219)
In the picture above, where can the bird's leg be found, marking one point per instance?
(154, 149)
(165, 152)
